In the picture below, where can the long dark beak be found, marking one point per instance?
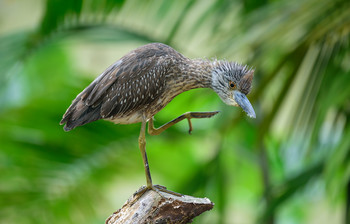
(244, 103)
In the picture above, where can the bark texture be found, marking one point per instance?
(160, 207)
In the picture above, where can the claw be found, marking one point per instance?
(190, 126)
(161, 188)
(190, 115)
(156, 188)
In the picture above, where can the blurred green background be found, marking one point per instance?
(291, 165)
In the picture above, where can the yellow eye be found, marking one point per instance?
(232, 85)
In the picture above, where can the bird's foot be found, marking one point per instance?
(190, 115)
(160, 188)
(156, 188)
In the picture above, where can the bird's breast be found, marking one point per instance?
(131, 118)
(138, 115)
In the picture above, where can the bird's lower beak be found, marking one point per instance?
(244, 103)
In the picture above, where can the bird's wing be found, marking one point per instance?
(92, 94)
(138, 85)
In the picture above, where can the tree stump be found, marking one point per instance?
(160, 207)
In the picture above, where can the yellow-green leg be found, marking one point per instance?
(189, 115)
(142, 146)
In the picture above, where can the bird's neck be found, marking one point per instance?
(186, 75)
(196, 73)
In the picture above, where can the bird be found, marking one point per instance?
(145, 80)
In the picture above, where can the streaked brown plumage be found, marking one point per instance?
(145, 80)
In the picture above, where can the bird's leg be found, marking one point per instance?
(142, 145)
(188, 115)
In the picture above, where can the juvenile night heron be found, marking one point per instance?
(144, 81)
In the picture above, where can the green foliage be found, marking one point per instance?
(280, 168)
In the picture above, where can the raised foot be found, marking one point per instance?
(190, 115)
(200, 114)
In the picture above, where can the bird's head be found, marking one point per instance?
(232, 82)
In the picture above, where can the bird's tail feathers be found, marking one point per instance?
(79, 114)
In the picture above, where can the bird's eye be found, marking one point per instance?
(232, 85)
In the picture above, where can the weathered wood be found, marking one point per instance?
(160, 207)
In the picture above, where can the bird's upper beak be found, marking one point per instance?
(244, 103)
